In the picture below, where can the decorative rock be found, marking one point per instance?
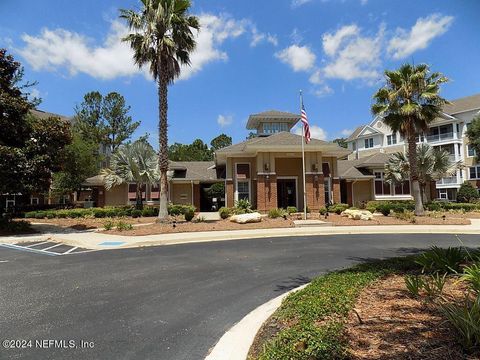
(358, 214)
(246, 218)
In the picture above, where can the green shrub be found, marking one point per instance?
(189, 213)
(243, 206)
(467, 193)
(136, 213)
(50, 214)
(121, 226)
(225, 212)
(465, 319)
(61, 214)
(323, 210)
(108, 225)
(338, 208)
(276, 213)
(175, 210)
(395, 205)
(40, 215)
(471, 275)
(406, 215)
(414, 284)
(442, 260)
(292, 210)
(8, 225)
(434, 284)
(99, 213)
(200, 219)
(148, 212)
(30, 215)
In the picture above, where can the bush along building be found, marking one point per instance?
(371, 144)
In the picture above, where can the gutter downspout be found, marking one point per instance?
(191, 181)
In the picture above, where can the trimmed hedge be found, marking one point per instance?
(444, 206)
(108, 212)
(225, 212)
(338, 208)
(387, 205)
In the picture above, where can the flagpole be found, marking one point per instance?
(303, 162)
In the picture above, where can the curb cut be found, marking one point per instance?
(236, 342)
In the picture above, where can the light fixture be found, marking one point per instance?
(315, 178)
(266, 166)
(267, 177)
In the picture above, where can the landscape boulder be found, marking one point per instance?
(246, 218)
(358, 214)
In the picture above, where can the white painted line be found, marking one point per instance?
(69, 251)
(24, 248)
(236, 342)
(51, 247)
(40, 243)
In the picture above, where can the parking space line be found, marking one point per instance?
(24, 248)
(40, 243)
(51, 247)
(69, 251)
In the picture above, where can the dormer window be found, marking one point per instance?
(272, 128)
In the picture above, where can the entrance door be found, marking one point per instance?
(286, 193)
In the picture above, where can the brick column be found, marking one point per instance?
(315, 192)
(266, 193)
(336, 191)
(229, 196)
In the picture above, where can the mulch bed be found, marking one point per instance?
(184, 226)
(339, 220)
(397, 327)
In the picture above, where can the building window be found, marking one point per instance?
(383, 187)
(392, 139)
(442, 194)
(354, 146)
(471, 151)
(243, 181)
(243, 189)
(368, 143)
(475, 172)
(34, 201)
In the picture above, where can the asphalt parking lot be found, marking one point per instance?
(168, 302)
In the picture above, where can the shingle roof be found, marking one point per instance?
(463, 104)
(45, 115)
(355, 132)
(282, 116)
(356, 169)
(196, 170)
(283, 139)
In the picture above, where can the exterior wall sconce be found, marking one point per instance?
(266, 166)
(315, 178)
(267, 177)
(314, 167)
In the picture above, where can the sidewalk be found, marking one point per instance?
(98, 241)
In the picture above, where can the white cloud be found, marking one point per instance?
(300, 58)
(224, 120)
(259, 37)
(346, 132)
(323, 90)
(34, 93)
(353, 56)
(316, 132)
(420, 35)
(60, 49)
(298, 3)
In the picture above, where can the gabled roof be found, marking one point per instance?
(282, 141)
(280, 116)
(195, 170)
(358, 169)
(355, 133)
(361, 131)
(463, 104)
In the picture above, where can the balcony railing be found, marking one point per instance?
(447, 180)
(440, 137)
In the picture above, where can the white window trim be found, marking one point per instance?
(329, 186)
(34, 197)
(296, 186)
(392, 194)
(477, 171)
(235, 195)
(468, 154)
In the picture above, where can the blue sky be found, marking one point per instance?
(253, 55)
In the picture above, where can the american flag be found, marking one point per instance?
(306, 127)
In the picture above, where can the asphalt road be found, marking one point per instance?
(170, 302)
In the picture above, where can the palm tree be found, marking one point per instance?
(408, 103)
(162, 37)
(432, 165)
(137, 163)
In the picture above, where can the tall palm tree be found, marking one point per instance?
(137, 163)
(432, 165)
(408, 103)
(162, 37)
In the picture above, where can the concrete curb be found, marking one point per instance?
(236, 342)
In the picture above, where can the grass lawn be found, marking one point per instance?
(364, 312)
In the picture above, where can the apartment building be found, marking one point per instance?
(446, 132)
